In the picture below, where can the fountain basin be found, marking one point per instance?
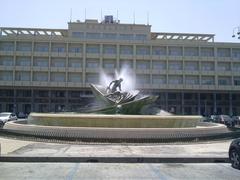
(112, 121)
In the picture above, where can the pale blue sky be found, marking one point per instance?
(191, 16)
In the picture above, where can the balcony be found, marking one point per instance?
(22, 83)
(58, 54)
(74, 84)
(57, 84)
(41, 54)
(75, 54)
(6, 83)
(7, 53)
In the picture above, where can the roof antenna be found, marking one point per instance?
(85, 13)
(147, 18)
(101, 15)
(117, 15)
(71, 15)
(134, 17)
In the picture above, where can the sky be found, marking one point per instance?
(217, 17)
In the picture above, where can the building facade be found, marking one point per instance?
(49, 70)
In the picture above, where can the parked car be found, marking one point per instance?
(234, 153)
(7, 116)
(213, 118)
(225, 119)
(236, 119)
(21, 115)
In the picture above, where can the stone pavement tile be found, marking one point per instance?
(213, 149)
(10, 145)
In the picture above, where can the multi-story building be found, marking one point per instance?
(46, 70)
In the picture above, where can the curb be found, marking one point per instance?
(114, 159)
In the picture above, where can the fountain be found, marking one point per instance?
(119, 117)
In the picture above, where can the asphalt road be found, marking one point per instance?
(117, 171)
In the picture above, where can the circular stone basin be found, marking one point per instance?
(112, 121)
(129, 128)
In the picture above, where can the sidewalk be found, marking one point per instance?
(12, 147)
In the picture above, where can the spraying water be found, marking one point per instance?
(125, 73)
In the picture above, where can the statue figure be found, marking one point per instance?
(116, 84)
(112, 91)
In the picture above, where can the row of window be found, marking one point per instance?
(124, 49)
(111, 36)
(78, 94)
(111, 63)
(43, 93)
(140, 79)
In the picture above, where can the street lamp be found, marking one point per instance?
(236, 32)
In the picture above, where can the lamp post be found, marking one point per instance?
(236, 32)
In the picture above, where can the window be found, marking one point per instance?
(207, 51)
(92, 63)
(93, 35)
(6, 75)
(93, 49)
(175, 51)
(191, 80)
(126, 63)
(58, 62)
(236, 81)
(159, 79)
(126, 36)
(224, 80)
(207, 66)
(236, 66)
(109, 64)
(109, 36)
(236, 53)
(159, 65)
(42, 93)
(78, 34)
(175, 65)
(172, 79)
(127, 50)
(57, 77)
(224, 66)
(223, 52)
(40, 76)
(143, 79)
(92, 78)
(191, 51)
(208, 80)
(22, 76)
(143, 65)
(23, 93)
(109, 49)
(40, 62)
(6, 46)
(172, 96)
(60, 94)
(24, 46)
(6, 61)
(192, 66)
(74, 77)
(158, 50)
(143, 50)
(75, 48)
(41, 47)
(141, 37)
(23, 61)
(58, 47)
(76, 63)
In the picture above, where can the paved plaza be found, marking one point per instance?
(70, 171)
(16, 147)
(95, 170)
